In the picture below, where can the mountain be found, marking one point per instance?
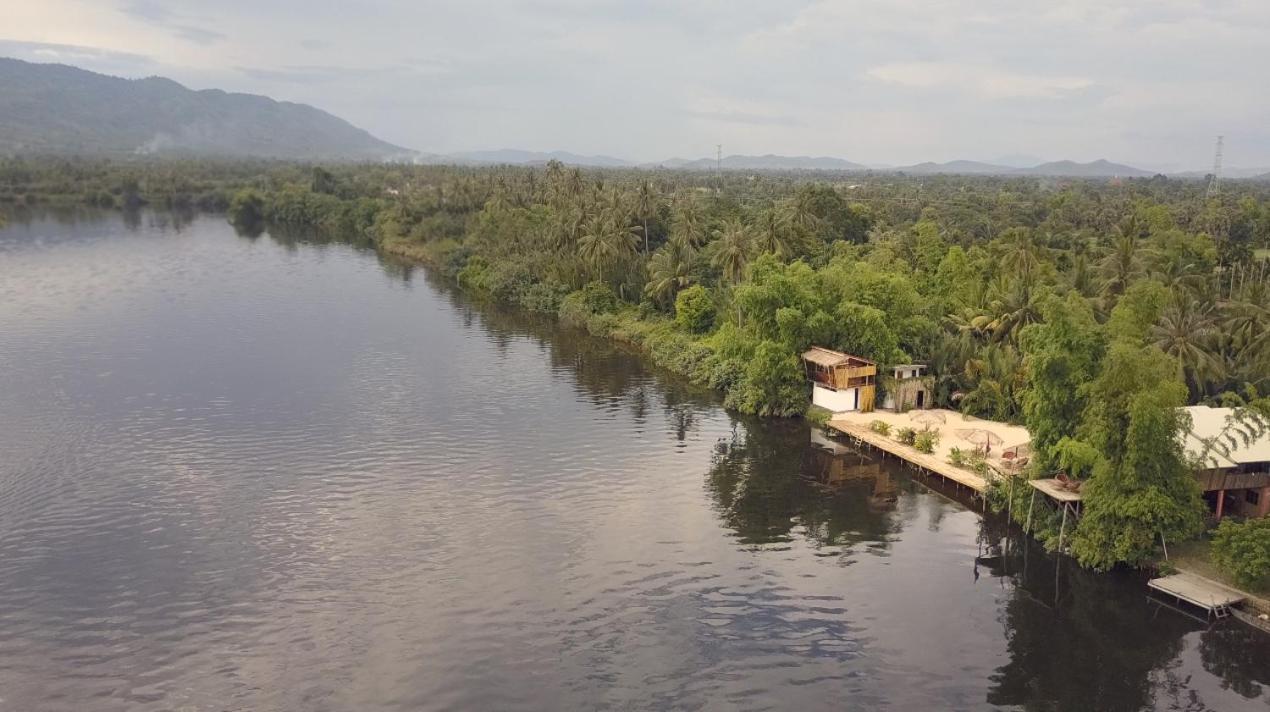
(955, 167)
(1017, 160)
(1100, 168)
(1226, 172)
(767, 162)
(514, 156)
(54, 108)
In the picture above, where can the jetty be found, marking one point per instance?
(951, 427)
(1211, 597)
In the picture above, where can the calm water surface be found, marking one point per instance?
(242, 474)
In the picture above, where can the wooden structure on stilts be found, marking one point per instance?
(1054, 490)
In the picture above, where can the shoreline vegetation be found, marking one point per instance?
(1087, 310)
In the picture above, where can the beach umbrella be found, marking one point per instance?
(979, 436)
(928, 417)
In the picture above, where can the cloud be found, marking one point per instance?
(161, 16)
(96, 58)
(985, 81)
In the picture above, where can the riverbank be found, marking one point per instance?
(656, 337)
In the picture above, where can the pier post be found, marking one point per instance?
(1062, 529)
(1027, 528)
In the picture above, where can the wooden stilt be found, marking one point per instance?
(1062, 530)
(1027, 528)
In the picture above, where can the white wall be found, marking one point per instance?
(834, 401)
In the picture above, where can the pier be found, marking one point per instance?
(928, 463)
(1011, 440)
(1211, 597)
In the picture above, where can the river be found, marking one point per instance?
(268, 473)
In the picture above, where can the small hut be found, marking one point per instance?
(908, 387)
(840, 382)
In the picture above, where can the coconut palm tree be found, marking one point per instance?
(690, 222)
(800, 213)
(1123, 263)
(774, 234)
(1012, 307)
(669, 270)
(606, 243)
(1186, 332)
(1021, 254)
(731, 249)
(646, 204)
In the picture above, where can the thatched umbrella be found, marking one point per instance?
(928, 417)
(983, 438)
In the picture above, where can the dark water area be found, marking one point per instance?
(274, 473)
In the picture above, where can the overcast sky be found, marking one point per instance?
(897, 81)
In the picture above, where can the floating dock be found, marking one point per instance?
(1209, 596)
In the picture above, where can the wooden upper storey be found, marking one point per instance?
(838, 370)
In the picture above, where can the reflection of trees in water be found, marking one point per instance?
(602, 370)
(768, 478)
(1080, 640)
(1237, 654)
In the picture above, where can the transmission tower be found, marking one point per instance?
(1214, 184)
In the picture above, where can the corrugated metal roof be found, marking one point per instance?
(1218, 424)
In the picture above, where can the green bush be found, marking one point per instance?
(245, 209)
(1243, 549)
(881, 427)
(908, 436)
(694, 310)
(926, 441)
(957, 457)
(818, 416)
(578, 307)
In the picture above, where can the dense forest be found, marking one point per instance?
(1087, 310)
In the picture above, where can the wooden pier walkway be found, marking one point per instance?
(922, 461)
(1210, 596)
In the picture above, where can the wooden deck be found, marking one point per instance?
(1055, 491)
(925, 462)
(1208, 595)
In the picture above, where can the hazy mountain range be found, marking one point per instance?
(54, 108)
(1098, 169)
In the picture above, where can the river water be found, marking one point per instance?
(267, 473)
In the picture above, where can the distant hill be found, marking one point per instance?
(54, 108)
(517, 157)
(767, 162)
(1094, 169)
(956, 167)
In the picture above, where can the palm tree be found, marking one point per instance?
(997, 375)
(669, 270)
(606, 243)
(646, 200)
(800, 213)
(1186, 332)
(731, 249)
(1021, 253)
(690, 222)
(1123, 263)
(1245, 324)
(1012, 308)
(775, 235)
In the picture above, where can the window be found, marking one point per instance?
(1252, 497)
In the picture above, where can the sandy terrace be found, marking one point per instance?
(949, 437)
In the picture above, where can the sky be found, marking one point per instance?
(1151, 82)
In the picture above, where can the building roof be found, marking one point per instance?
(909, 365)
(1217, 425)
(829, 358)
